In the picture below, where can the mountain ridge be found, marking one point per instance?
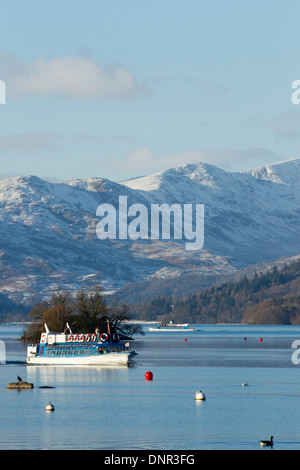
(48, 229)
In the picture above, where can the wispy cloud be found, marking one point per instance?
(286, 125)
(209, 86)
(28, 142)
(76, 77)
(142, 161)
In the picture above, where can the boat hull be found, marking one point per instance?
(110, 359)
(172, 330)
(171, 326)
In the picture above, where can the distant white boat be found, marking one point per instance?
(171, 327)
(79, 349)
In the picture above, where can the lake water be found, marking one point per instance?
(116, 409)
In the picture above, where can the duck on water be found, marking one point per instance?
(267, 443)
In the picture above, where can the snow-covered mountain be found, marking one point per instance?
(48, 230)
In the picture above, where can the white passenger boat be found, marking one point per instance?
(171, 327)
(79, 349)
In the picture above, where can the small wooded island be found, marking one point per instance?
(85, 312)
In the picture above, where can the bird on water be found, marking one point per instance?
(267, 443)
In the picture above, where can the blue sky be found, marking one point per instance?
(122, 88)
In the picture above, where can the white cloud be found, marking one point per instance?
(69, 76)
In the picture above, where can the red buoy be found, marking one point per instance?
(185, 339)
(245, 339)
(149, 375)
(260, 339)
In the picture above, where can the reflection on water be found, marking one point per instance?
(48, 375)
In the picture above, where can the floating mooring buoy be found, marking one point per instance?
(199, 396)
(149, 375)
(49, 407)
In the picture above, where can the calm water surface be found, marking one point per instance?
(115, 408)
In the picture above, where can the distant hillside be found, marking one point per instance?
(48, 238)
(11, 311)
(187, 284)
(267, 298)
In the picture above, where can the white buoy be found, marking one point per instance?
(49, 407)
(199, 395)
(245, 384)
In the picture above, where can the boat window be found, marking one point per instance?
(116, 348)
(83, 350)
